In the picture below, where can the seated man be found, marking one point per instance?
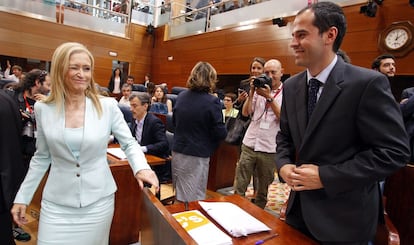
(149, 131)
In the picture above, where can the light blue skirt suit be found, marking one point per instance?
(78, 197)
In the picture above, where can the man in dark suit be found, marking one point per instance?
(149, 131)
(407, 109)
(334, 155)
(12, 169)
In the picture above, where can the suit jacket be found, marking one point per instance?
(12, 169)
(407, 109)
(78, 182)
(356, 136)
(153, 136)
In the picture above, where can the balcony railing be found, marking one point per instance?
(197, 17)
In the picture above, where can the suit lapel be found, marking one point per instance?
(329, 93)
(301, 105)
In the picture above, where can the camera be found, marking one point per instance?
(262, 80)
(28, 129)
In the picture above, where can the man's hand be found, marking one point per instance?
(265, 92)
(306, 177)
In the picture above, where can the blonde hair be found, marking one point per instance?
(59, 69)
(203, 77)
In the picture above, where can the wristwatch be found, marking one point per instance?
(269, 100)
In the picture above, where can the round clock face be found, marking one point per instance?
(396, 39)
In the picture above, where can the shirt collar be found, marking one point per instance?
(324, 74)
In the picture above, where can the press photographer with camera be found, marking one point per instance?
(259, 143)
(34, 86)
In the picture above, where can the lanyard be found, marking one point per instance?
(274, 96)
(28, 107)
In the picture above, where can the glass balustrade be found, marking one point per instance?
(183, 17)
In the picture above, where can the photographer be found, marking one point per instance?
(35, 86)
(259, 142)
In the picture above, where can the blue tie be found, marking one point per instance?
(314, 85)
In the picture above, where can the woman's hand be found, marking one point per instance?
(147, 176)
(18, 212)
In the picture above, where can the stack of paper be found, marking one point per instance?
(201, 229)
(117, 152)
(233, 219)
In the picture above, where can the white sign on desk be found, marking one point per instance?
(117, 152)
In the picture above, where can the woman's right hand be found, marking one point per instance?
(18, 212)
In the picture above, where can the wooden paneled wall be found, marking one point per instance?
(31, 38)
(230, 51)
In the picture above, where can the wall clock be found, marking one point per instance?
(397, 38)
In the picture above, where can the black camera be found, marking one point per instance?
(262, 80)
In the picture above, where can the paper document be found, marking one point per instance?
(117, 152)
(233, 219)
(201, 229)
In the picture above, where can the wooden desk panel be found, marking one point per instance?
(126, 221)
(287, 234)
(223, 166)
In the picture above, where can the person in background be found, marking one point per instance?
(407, 110)
(151, 89)
(149, 131)
(259, 144)
(35, 86)
(16, 70)
(12, 168)
(255, 70)
(160, 102)
(73, 126)
(341, 132)
(229, 110)
(199, 128)
(146, 79)
(115, 83)
(130, 80)
(385, 64)
(126, 92)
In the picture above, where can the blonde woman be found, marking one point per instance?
(73, 127)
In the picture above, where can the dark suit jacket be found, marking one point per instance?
(12, 169)
(407, 109)
(356, 135)
(153, 136)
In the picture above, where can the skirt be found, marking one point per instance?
(61, 225)
(189, 174)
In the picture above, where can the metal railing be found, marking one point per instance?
(182, 20)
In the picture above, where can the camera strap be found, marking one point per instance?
(274, 96)
(28, 107)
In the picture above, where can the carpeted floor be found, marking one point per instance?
(276, 197)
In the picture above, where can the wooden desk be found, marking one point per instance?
(151, 159)
(127, 216)
(159, 224)
(126, 221)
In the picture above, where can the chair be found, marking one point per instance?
(399, 193)
(173, 98)
(177, 90)
(386, 234)
(139, 88)
(127, 114)
(169, 126)
(170, 137)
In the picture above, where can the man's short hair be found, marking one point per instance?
(327, 15)
(17, 67)
(377, 62)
